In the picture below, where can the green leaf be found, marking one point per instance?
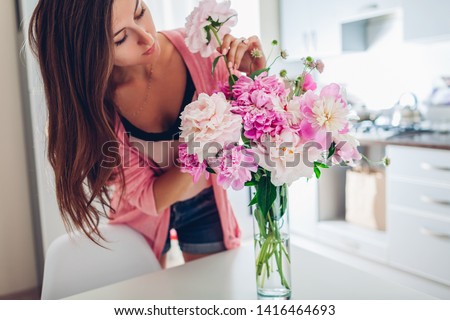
(320, 165)
(254, 200)
(208, 34)
(331, 150)
(258, 72)
(284, 199)
(214, 23)
(215, 63)
(317, 172)
(260, 219)
(250, 183)
(231, 80)
(256, 176)
(266, 194)
(210, 170)
(245, 140)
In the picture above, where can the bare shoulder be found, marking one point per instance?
(168, 50)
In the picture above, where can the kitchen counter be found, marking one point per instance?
(433, 140)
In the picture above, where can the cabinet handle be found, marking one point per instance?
(429, 167)
(427, 199)
(428, 232)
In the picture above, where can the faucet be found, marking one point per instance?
(406, 111)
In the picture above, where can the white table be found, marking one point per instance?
(231, 275)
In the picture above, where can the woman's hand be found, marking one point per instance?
(245, 55)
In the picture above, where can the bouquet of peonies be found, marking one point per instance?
(263, 131)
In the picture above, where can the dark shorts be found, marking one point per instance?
(197, 223)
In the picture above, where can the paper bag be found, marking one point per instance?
(365, 198)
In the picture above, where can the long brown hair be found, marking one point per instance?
(73, 42)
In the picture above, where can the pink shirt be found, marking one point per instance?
(137, 206)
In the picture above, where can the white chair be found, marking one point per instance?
(75, 264)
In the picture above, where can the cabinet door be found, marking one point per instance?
(311, 27)
(414, 196)
(295, 27)
(420, 245)
(354, 8)
(419, 164)
(326, 28)
(426, 20)
(314, 27)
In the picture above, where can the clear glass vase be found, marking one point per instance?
(271, 242)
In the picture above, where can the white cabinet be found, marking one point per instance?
(364, 19)
(315, 27)
(426, 20)
(310, 27)
(417, 237)
(420, 244)
(360, 8)
(317, 211)
(418, 206)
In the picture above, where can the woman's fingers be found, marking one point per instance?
(239, 53)
(226, 42)
(233, 49)
(256, 54)
(238, 48)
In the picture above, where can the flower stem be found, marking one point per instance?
(216, 35)
(274, 60)
(271, 242)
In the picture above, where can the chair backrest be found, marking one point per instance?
(75, 264)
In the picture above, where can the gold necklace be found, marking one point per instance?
(137, 112)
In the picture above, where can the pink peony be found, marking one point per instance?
(236, 166)
(346, 149)
(225, 89)
(293, 111)
(308, 83)
(286, 157)
(261, 121)
(208, 122)
(320, 65)
(327, 112)
(197, 24)
(263, 92)
(190, 163)
(298, 121)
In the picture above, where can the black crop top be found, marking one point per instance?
(173, 132)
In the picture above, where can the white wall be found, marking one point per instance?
(17, 258)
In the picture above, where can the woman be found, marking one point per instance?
(115, 89)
